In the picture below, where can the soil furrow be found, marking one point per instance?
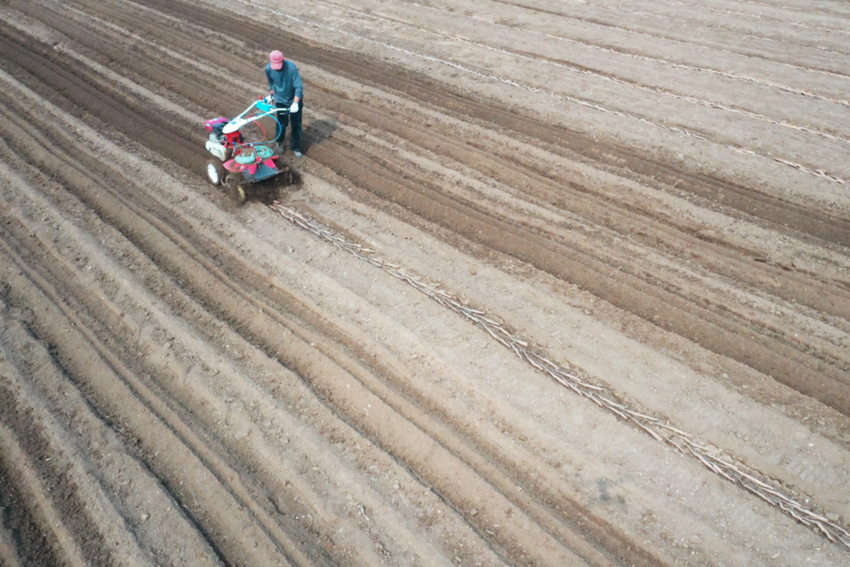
(778, 211)
(710, 330)
(147, 513)
(36, 519)
(79, 499)
(664, 34)
(182, 473)
(158, 368)
(628, 219)
(112, 321)
(177, 369)
(791, 287)
(264, 333)
(85, 100)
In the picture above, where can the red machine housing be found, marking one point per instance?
(232, 139)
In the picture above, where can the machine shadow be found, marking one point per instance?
(267, 192)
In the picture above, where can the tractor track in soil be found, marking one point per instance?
(158, 350)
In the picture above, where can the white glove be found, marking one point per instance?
(294, 108)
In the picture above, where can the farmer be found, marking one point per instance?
(286, 89)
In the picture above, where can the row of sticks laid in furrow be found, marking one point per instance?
(711, 457)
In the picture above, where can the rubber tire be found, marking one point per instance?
(215, 172)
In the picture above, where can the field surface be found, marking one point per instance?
(558, 283)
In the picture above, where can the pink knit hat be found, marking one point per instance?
(276, 58)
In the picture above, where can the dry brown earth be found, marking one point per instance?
(652, 197)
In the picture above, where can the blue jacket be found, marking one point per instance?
(286, 83)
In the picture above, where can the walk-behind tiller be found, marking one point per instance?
(245, 149)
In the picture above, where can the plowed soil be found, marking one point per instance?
(557, 283)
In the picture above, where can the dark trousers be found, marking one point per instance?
(286, 119)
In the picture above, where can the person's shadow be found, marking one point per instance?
(270, 191)
(316, 132)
